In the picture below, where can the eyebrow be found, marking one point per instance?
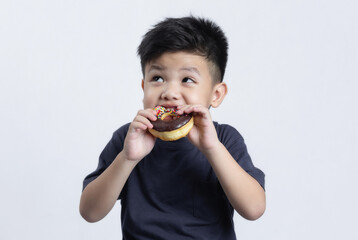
(190, 69)
(156, 67)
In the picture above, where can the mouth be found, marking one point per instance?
(169, 106)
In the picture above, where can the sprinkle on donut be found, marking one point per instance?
(162, 112)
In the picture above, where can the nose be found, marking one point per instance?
(171, 92)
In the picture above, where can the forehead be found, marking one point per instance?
(181, 61)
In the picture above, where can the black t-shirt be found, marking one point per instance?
(173, 193)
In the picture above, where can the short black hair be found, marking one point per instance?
(190, 34)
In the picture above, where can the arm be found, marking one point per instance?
(100, 195)
(244, 193)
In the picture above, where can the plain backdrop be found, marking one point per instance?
(70, 77)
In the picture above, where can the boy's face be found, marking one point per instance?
(180, 78)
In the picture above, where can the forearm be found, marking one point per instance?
(99, 197)
(244, 193)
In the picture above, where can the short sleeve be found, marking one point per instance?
(109, 153)
(235, 144)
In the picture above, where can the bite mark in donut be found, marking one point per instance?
(172, 128)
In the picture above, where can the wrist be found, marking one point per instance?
(123, 158)
(212, 149)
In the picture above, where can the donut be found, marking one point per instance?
(170, 126)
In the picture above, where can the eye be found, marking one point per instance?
(188, 80)
(158, 79)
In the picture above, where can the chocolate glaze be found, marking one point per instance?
(166, 126)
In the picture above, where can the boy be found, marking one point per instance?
(186, 189)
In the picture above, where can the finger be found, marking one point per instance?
(136, 127)
(183, 109)
(191, 109)
(143, 120)
(199, 109)
(148, 113)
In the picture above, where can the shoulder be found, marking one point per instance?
(227, 133)
(115, 145)
(121, 132)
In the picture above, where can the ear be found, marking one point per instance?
(143, 84)
(219, 93)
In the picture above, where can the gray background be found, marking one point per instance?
(70, 77)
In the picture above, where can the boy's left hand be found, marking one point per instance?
(203, 134)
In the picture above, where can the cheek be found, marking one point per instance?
(149, 98)
(198, 97)
(146, 101)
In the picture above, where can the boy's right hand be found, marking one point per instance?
(139, 142)
(99, 197)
